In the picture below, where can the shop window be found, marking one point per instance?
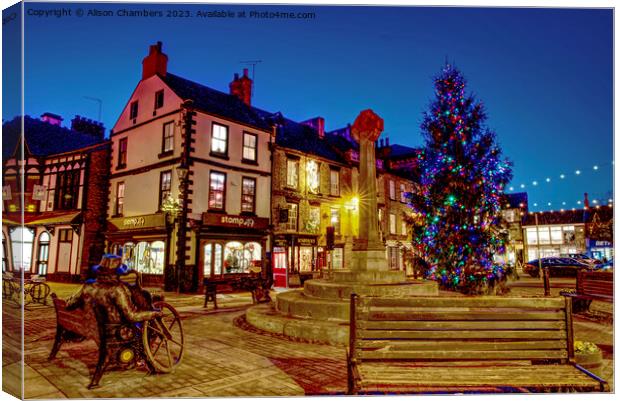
(249, 147)
(122, 153)
(392, 223)
(248, 195)
(168, 137)
(556, 235)
(165, 184)
(208, 256)
(217, 259)
(67, 190)
(532, 237)
(306, 259)
(21, 247)
(127, 254)
(159, 99)
(292, 173)
(393, 257)
(5, 263)
(43, 254)
(334, 182)
(532, 254)
(568, 234)
(291, 224)
(219, 140)
(252, 256)
(543, 235)
(338, 258)
(312, 176)
(133, 110)
(120, 198)
(148, 257)
(233, 257)
(335, 219)
(392, 186)
(217, 186)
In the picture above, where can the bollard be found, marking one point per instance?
(546, 281)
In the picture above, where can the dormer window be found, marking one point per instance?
(159, 99)
(133, 110)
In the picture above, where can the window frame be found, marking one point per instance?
(403, 192)
(337, 226)
(243, 147)
(161, 187)
(157, 105)
(296, 215)
(133, 110)
(118, 211)
(215, 153)
(331, 182)
(243, 194)
(392, 189)
(165, 151)
(122, 153)
(317, 190)
(392, 228)
(223, 208)
(296, 163)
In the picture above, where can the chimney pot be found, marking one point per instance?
(245, 72)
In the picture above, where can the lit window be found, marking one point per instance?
(312, 176)
(335, 220)
(168, 140)
(556, 235)
(207, 260)
(403, 227)
(292, 173)
(21, 246)
(392, 190)
(219, 139)
(249, 147)
(392, 223)
(291, 224)
(148, 257)
(217, 185)
(403, 193)
(159, 99)
(133, 110)
(532, 238)
(543, 235)
(248, 195)
(165, 184)
(334, 182)
(122, 153)
(120, 198)
(314, 219)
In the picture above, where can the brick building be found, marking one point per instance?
(64, 195)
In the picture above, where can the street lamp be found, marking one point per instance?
(171, 208)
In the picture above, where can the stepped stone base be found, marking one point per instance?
(369, 276)
(320, 312)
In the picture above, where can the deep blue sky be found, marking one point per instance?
(545, 75)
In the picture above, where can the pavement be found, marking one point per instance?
(223, 356)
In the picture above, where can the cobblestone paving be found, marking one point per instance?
(221, 358)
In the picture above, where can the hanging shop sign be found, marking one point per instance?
(235, 221)
(138, 222)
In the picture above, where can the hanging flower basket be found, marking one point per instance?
(589, 356)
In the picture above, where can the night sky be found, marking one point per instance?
(545, 75)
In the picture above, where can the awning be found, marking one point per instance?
(41, 219)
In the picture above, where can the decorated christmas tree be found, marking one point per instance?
(462, 176)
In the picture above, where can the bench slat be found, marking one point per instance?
(476, 314)
(459, 345)
(524, 334)
(465, 302)
(387, 320)
(461, 354)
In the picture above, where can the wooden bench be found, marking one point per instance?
(591, 286)
(463, 344)
(257, 286)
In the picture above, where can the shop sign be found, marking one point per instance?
(280, 242)
(137, 222)
(236, 221)
(306, 241)
(602, 244)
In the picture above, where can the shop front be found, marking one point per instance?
(296, 258)
(142, 242)
(232, 245)
(600, 249)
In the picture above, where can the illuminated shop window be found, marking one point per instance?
(148, 257)
(312, 176)
(21, 247)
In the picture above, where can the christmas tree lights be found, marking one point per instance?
(462, 181)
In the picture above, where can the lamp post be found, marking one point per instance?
(182, 230)
(171, 208)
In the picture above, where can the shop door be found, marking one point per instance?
(279, 267)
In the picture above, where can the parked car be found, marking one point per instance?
(582, 257)
(558, 267)
(606, 265)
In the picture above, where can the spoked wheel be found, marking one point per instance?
(162, 339)
(39, 292)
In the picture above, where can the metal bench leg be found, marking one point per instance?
(57, 342)
(103, 353)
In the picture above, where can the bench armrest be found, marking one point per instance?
(603, 383)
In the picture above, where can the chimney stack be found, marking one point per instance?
(586, 202)
(318, 123)
(242, 87)
(51, 118)
(88, 127)
(156, 63)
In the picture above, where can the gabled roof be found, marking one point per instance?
(217, 103)
(43, 139)
(306, 139)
